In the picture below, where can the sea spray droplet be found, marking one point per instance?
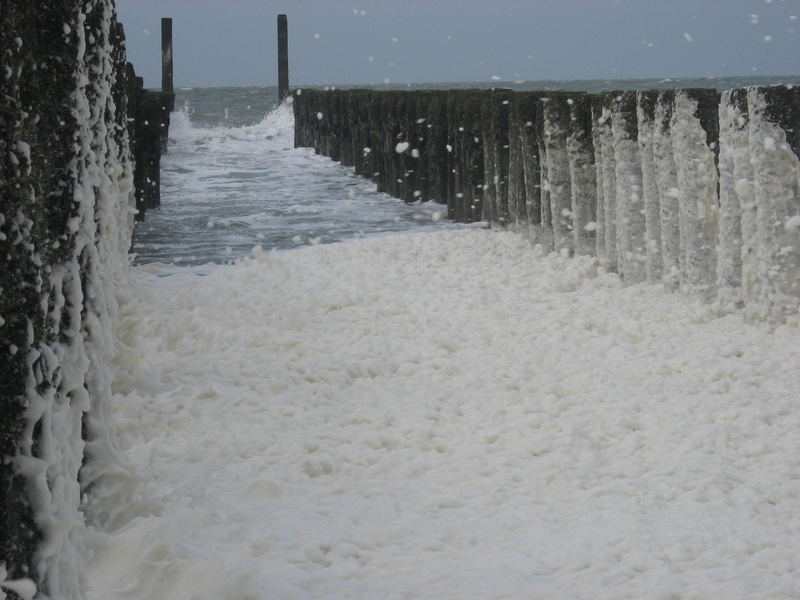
(401, 147)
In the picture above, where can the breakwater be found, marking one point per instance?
(693, 188)
(80, 149)
(148, 131)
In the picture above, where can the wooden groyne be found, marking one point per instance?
(148, 126)
(693, 188)
(79, 153)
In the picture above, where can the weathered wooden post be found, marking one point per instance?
(645, 114)
(774, 150)
(695, 138)
(631, 242)
(283, 58)
(166, 55)
(666, 173)
(167, 96)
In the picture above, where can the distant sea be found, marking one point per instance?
(232, 179)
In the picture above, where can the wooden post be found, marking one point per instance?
(166, 55)
(167, 96)
(283, 58)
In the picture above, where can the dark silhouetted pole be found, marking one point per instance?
(166, 55)
(283, 57)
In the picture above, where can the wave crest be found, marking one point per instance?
(276, 124)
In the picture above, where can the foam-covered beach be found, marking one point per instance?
(447, 415)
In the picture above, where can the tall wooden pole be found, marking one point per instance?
(166, 55)
(283, 57)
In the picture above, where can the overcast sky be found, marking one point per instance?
(233, 42)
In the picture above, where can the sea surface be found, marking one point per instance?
(232, 179)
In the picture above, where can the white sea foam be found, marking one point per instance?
(277, 126)
(448, 415)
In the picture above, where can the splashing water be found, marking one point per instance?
(226, 189)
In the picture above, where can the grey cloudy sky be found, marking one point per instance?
(233, 42)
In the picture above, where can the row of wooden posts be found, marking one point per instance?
(652, 182)
(692, 188)
(645, 180)
(150, 110)
(74, 117)
(148, 126)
